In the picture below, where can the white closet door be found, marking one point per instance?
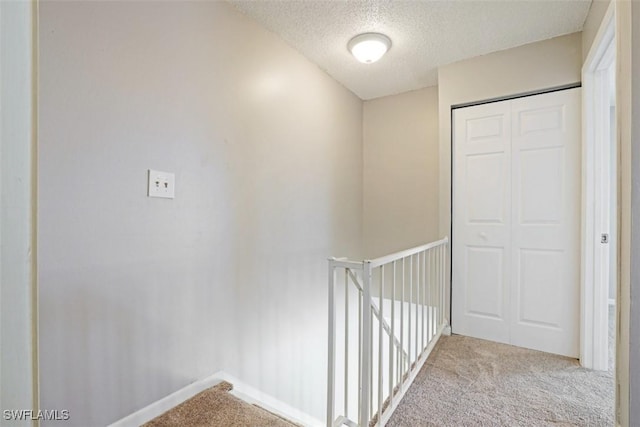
(482, 218)
(516, 238)
(545, 307)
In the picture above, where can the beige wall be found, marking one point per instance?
(546, 64)
(634, 283)
(400, 171)
(141, 296)
(628, 108)
(628, 105)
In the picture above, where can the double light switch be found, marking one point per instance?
(161, 184)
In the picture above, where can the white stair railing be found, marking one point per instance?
(392, 315)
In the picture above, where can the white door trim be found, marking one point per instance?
(19, 387)
(593, 289)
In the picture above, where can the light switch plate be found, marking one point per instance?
(161, 184)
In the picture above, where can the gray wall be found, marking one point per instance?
(139, 296)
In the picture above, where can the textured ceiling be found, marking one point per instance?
(424, 34)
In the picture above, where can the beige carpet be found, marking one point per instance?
(472, 382)
(216, 407)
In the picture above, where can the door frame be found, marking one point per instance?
(594, 332)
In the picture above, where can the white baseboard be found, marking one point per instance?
(240, 390)
(161, 406)
(270, 403)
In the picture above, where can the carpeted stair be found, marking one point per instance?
(216, 407)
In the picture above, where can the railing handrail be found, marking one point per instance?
(425, 275)
(346, 263)
(386, 259)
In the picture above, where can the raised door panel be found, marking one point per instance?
(538, 280)
(486, 188)
(541, 186)
(484, 282)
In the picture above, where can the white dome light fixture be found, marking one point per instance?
(369, 47)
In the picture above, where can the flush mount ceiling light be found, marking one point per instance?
(369, 47)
